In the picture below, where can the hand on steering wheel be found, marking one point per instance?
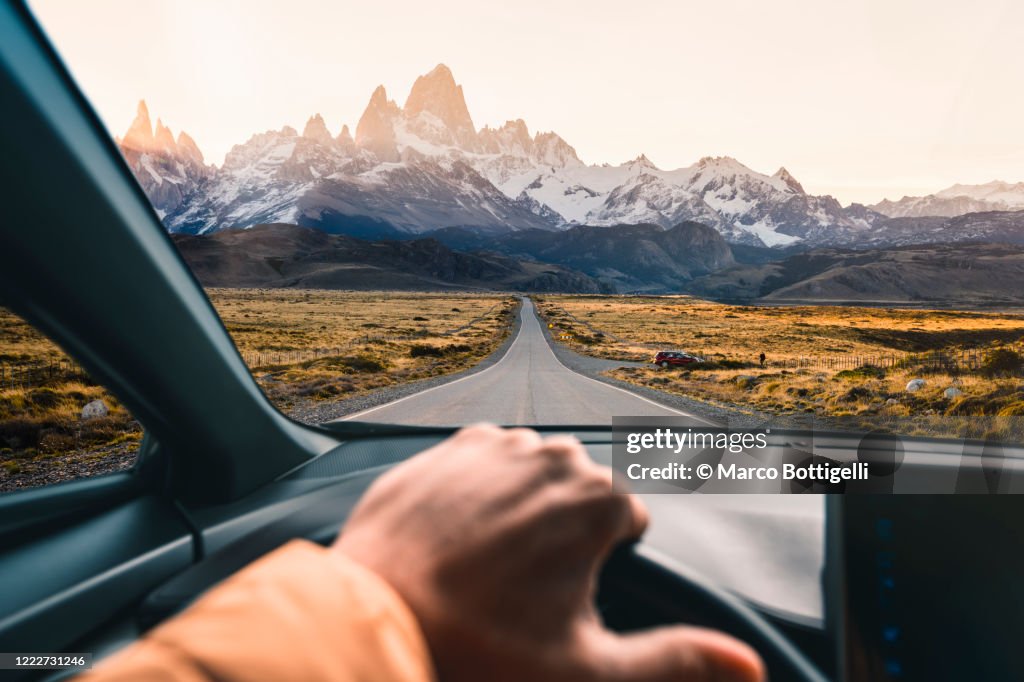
(494, 539)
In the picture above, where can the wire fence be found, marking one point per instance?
(959, 360)
(39, 373)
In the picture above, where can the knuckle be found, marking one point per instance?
(561, 450)
(477, 431)
(521, 433)
(522, 436)
(566, 447)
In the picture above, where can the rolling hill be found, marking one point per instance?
(290, 256)
(966, 275)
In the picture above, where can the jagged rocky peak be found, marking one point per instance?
(167, 169)
(437, 96)
(791, 182)
(188, 149)
(642, 162)
(316, 130)
(375, 131)
(140, 133)
(143, 138)
(512, 138)
(987, 191)
(726, 163)
(518, 130)
(426, 166)
(163, 139)
(345, 137)
(551, 150)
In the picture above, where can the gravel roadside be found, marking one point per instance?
(35, 473)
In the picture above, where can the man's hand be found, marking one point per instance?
(494, 539)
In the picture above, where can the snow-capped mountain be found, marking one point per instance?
(957, 200)
(168, 170)
(745, 206)
(425, 166)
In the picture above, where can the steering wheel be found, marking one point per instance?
(636, 572)
(676, 594)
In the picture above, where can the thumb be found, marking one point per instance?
(678, 654)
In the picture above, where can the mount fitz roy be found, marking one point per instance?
(425, 167)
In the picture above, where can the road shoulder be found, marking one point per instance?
(318, 413)
(594, 368)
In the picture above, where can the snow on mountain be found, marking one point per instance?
(742, 204)
(169, 171)
(425, 166)
(957, 200)
(317, 180)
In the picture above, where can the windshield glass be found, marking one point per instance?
(822, 223)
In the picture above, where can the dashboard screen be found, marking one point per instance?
(933, 587)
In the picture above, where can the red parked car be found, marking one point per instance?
(668, 358)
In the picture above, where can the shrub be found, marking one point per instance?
(745, 381)
(1002, 361)
(44, 397)
(1012, 410)
(719, 364)
(53, 441)
(855, 394)
(862, 372)
(419, 318)
(423, 350)
(363, 363)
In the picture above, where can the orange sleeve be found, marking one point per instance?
(300, 613)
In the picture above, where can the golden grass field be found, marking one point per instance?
(307, 347)
(408, 334)
(310, 346)
(732, 337)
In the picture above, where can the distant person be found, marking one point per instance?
(762, 358)
(475, 560)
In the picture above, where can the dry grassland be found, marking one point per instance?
(371, 339)
(310, 346)
(732, 337)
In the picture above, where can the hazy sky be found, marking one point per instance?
(860, 99)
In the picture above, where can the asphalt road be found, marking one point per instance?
(529, 385)
(766, 548)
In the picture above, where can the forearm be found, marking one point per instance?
(300, 613)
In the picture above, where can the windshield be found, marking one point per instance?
(752, 220)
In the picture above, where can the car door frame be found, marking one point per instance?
(85, 259)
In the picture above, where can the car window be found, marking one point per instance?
(400, 228)
(56, 423)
